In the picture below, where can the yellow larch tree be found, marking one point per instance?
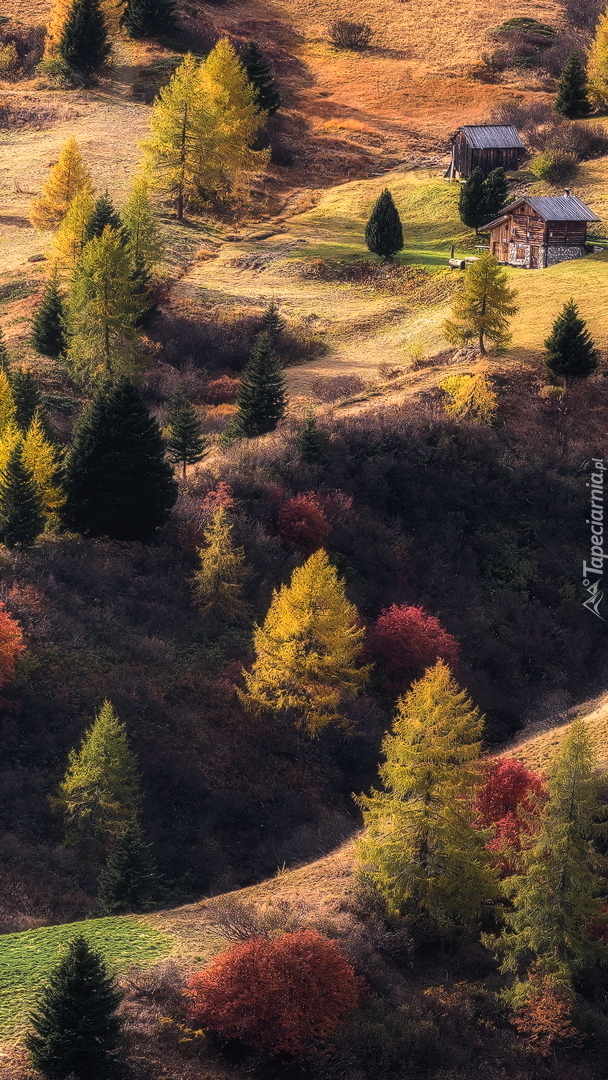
(597, 67)
(235, 121)
(306, 651)
(177, 134)
(141, 223)
(70, 238)
(66, 179)
(40, 457)
(470, 397)
(8, 410)
(218, 583)
(10, 439)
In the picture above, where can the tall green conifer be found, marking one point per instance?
(128, 880)
(49, 326)
(384, 231)
(21, 511)
(118, 482)
(85, 46)
(570, 350)
(186, 444)
(76, 1030)
(420, 847)
(309, 440)
(26, 396)
(261, 398)
(261, 76)
(148, 18)
(572, 99)
(104, 214)
(141, 223)
(473, 204)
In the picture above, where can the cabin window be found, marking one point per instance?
(520, 253)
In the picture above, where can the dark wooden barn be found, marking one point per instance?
(487, 146)
(539, 231)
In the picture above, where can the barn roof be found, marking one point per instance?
(492, 136)
(551, 208)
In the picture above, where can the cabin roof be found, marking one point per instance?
(550, 208)
(492, 136)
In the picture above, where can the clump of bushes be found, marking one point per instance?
(334, 387)
(350, 35)
(21, 49)
(556, 166)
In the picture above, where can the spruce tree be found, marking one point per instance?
(67, 178)
(85, 46)
(26, 397)
(261, 397)
(570, 351)
(118, 482)
(103, 214)
(307, 650)
(21, 516)
(483, 306)
(420, 847)
(495, 194)
(105, 306)
(561, 889)
(143, 292)
(49, 329)
(76, 1030)
(384, 232)
(4, 356)
(310, 442)
(218, 583)
(261, 76)
(100, 792)
(186, 444)
(128, 879)
(472, 205)
(572, 98)
(273, 323)
(148, 18)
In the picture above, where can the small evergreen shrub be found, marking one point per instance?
(350, 35)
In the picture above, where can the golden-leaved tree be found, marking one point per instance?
(597, 67)
(218, 583)
(306, 651)
(141, 223)
(70, 238)
(482, 306)
(104, 309)
(67, 178)
(420, 847)
(40, 457)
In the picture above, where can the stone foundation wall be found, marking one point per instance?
(561, 254)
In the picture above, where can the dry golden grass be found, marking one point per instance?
(537, 751)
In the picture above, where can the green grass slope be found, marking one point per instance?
(27, 958)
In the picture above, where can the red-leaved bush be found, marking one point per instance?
(510, 802)
(286, 995)
(11, 645)
(546, 1018)
(406, 640)
(302, 523)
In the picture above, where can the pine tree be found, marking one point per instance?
(8, 412)
(260, 74)
(177, 126)
(26, 397)
(49, 329)
(310, 442)
(261, 397)
(495, 193)
(76, 1030)
(40, 457)
(148, 18)
(273, 323)
(66, 179)
(472, 205)
(141, 223)
(100, 792)
(85, 45)
(186, 444)
(306, 652)
(58, 17)
(384, 232)
(104, 310)
(420, 847)
(4, 356)
(571, 352)
(218, 583)
(561, 889)
(118, 483)
(128, 879)
(103, 214)
(483, 306)
(226, 160)
(21, 517)
(143, 292)
(69, 240)
(572, 99)
(597, 66)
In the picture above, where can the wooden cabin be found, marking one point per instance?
(539, 231)
(486, 146)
